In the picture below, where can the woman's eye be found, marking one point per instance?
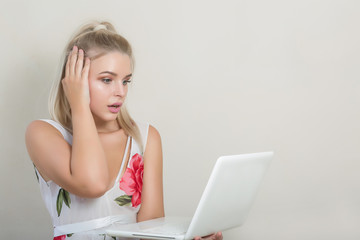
(106, 80)
(126, 82)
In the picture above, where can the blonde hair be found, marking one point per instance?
(103, 37)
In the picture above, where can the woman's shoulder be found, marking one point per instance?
(148, 132)
(150, 136)
(40, 127)
(45, 128)
(153, 133)
(42, 140)
(145, 128)
(153, 140)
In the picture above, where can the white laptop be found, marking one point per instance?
(224, 204)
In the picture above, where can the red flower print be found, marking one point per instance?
(132, 181)
(62, 237)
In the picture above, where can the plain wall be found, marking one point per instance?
(215, 78)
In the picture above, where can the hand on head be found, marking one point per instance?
(75, 82)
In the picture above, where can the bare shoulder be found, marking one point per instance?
(39, 129)
(153, 146)
(153, 134)
(38, 133)
(41, 138)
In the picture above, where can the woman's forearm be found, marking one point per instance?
(88, 163)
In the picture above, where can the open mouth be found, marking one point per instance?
(114, 106)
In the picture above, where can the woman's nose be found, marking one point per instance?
(119, 89)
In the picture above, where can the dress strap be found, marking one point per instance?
(90, 225)
(123, 160)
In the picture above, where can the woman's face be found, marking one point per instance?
(109, 76)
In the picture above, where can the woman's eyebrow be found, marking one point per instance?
(108, 72)
(114, 74)
(129, 75)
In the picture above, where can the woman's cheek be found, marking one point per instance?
(97, 89)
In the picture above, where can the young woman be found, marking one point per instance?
(94, 163)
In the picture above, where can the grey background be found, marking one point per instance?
(215, 78)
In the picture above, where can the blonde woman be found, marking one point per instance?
(94, 163)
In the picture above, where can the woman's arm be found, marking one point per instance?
(81, 168)
(152, 205)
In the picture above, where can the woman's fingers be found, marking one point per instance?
(79, 63)
(67, 67)
(217, 236)
(69, 62)
(85, 70)
(75, 82)
(72, 61)
(75, 64)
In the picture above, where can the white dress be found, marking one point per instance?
(76, 217)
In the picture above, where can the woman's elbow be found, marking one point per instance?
(93, 189)
(96, 192)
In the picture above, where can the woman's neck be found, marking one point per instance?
(107, 127)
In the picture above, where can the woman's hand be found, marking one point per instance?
(216, 236)
(75, 82)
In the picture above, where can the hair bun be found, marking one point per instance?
(100, 27)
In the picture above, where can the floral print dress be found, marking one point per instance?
(76, 218)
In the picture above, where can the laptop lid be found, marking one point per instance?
(230, 191)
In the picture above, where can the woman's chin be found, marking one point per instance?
(105, 119)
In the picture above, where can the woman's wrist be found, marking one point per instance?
(80, 107)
